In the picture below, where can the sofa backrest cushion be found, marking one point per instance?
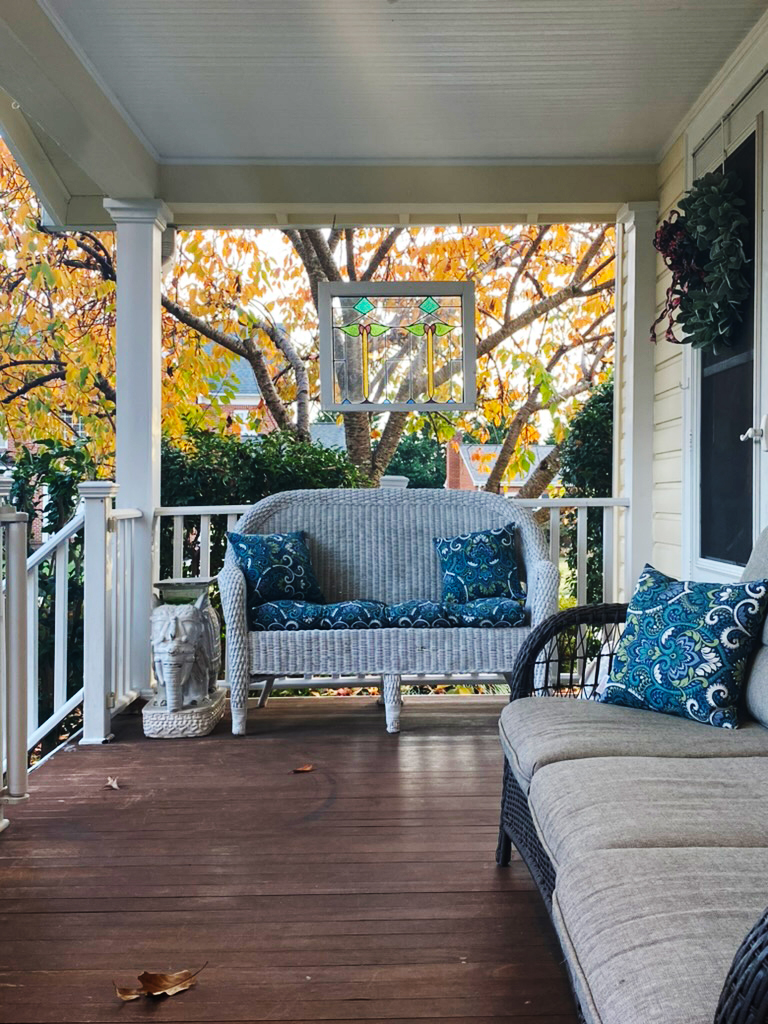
(377, 545)
(756, 690)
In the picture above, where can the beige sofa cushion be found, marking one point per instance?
(650, 934)
(536, 731)
(631, 802)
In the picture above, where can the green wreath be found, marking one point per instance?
(703, 246)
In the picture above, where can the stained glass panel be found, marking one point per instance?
(398, 346)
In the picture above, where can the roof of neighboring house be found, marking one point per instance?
(329, 435)
(243, 373)
(481, 458)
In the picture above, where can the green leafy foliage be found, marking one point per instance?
(209, 468)
(421, 458)
(586, 470)
(703, 246)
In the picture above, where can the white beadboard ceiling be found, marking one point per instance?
(411, 80)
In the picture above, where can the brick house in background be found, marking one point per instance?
(468, 467)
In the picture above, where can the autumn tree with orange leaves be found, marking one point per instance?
(544, 325)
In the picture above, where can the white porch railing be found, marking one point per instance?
(554, 509)
(53, 558)
(80, 577)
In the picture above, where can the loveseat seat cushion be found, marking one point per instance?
(489, 612)
(649, 935)
(294, 615)
(419, 615)
(536, 731)
(285, 615)
(602, 803)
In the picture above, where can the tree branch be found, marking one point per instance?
(30, 385)
(245, 349)
(349, 242)
(381, 253)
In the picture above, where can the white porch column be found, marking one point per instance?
(636, 311)
(140, 224)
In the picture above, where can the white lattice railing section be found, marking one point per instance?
(54, 569)
(553, 512)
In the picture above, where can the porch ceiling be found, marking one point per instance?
(225, 109)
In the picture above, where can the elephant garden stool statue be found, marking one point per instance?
(186, 655)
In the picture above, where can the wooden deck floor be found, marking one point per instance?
(363, 891)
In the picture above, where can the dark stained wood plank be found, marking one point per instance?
(364, 891)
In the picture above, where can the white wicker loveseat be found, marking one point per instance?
(377, 545)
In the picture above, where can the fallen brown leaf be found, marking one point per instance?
(111, 783)
(159, 984)
(304, 768)
(127, 994)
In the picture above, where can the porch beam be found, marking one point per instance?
(635, 314)
(140, 224)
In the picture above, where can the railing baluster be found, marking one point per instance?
(554, 535)
(609, 518)
(61, 621)
(232, 521)
(33, 649)
(581, 555)
(205, 545)
(178, 547)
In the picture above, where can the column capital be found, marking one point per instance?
(630, 213)
(139, 211)
(97, 489)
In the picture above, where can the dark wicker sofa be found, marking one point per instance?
(649, 906)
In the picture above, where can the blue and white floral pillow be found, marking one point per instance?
(276, 566)
(685, 647)
(481, 564)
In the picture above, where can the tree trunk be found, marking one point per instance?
(357, 434)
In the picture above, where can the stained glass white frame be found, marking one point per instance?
(462, 290)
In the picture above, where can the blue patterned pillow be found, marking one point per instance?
(419, 615)
(276, 567)
(354, 615)
(490, 611)
(284, 615)
(685, 647)
(481, 564)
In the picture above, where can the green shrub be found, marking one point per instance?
(586, 471)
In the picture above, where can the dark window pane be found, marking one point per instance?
(727, 409)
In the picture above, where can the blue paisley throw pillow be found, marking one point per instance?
(276, 567)
(419, 615)
(490, 611)
(481, 564)
(685, 647)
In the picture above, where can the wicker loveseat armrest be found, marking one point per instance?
(744, 999)
(563, 655)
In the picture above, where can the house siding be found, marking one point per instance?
(668, 397)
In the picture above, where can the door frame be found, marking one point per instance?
(704, 154)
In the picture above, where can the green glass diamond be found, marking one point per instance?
(364, 306)
(429, 305)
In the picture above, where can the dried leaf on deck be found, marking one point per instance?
(159, 984)
(127, 994)
(304, 768)
(111, 783)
